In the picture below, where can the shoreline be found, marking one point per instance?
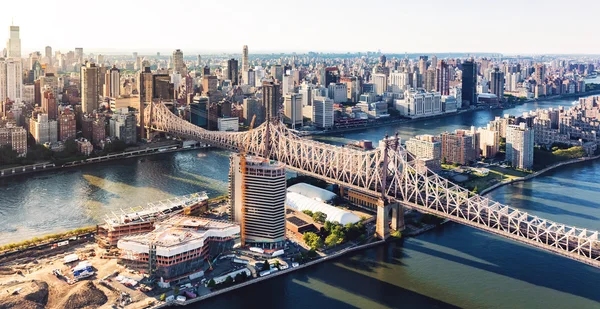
(279, 273)
(538, 173)
(459, 112)
(36, 168)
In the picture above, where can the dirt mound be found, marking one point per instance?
(85, 295)
(7, 271)
(32, 295)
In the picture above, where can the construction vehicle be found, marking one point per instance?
(243, 152)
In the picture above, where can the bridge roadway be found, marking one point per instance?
(387, 172)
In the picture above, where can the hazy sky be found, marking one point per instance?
(393, 26)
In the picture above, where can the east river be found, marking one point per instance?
(452, 266)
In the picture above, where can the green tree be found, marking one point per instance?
(176, 290)
(312, 240)
(7, 155)
(332, 240)
(211, 283)
(319, 217)
(475, 190)
(277, 264)
(70, 147)
(444, 160)
(308, 212)
(228, 281)
(311, 253)
(163, 296)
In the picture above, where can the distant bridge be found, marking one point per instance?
(386, 172)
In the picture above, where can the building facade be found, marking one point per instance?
(519, 146)
(257, 190)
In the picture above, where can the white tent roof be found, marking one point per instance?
(312, 192)
(334, 214)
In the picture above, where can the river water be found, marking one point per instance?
(453, 266)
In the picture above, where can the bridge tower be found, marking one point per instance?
(389, 215)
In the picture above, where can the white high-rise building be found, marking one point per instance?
(322, 112)
(338, 92)
(292, 109)
(43, 129)
(519, 146)
(380, 82)
(11, 80)
(13, 45)
(259, 207)
(417, 103)
(399, 82)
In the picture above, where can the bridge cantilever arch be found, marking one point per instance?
(387, 173)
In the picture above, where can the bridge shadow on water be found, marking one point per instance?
(514, 260)
(329, 285)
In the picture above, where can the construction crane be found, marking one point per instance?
(243, 152)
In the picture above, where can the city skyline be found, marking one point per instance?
(461, 26)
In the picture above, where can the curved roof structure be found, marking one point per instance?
(300, 202)
(312, 192)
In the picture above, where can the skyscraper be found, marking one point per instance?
(89, 88)
(115, 82)
(442, 78)
(232, 71)
(469, 83)
(13, 46)
(245, 64)
(519, 145)
(498, 84)
(292, 108)
(49, 105)
(270, 99)
(257, 190)
(540, 73)
(48, 54)
(11, 79)
(178, 64)
(78, 54)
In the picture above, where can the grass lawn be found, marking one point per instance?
(497, 174)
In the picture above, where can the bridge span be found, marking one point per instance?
(388, 173)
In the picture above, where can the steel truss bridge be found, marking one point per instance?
(388, 173)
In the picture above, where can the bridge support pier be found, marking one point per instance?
(390, 216)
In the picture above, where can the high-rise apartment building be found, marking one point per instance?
(178, 64)
(43, 129)
(519, 146)
(292, 109)
(232, 71)
(114, 84)
(497, 84)
(78, 54)
(251, 108)
(67, 126)
(322, 112)
(271, 99)
(245, 64)
(89, 88)
(427, 148)
(15, 137)
(380, 82)
(11, 80)
(49, 104)
(458, 147)
(489, 141)
(442, 78)
(257, 190)
(469, 83)
(540, 73)
(13, 45)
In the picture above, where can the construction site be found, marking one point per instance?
(141, 219)
(179, 247)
